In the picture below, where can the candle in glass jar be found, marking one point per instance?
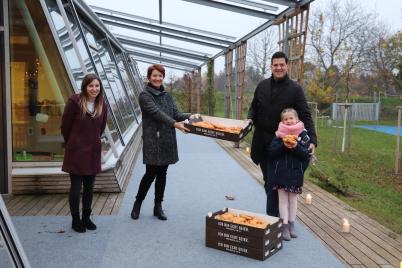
(248, 150)
(345, 226)
(309, 199)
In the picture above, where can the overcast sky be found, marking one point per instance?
(224, 22)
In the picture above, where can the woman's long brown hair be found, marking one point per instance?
(98, 105)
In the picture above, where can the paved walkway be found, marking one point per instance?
(196, 185)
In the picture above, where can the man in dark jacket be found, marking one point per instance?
(271, 96)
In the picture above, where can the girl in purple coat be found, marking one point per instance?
(83, 122)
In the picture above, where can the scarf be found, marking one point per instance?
(284, 130)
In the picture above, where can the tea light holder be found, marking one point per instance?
(345, 226)
(309, 199)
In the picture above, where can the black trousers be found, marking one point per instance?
(157, 173)
(272, 195)
(75, 190)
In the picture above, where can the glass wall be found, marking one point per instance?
(129, 83)
(96, 51)
(67, 45)
(42, 79)
(40, 85)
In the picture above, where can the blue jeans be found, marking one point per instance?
(272, 195)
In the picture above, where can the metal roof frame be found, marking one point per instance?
(159, 33)
(288, 3)
(204, 38)
(235, 8)
(100, 11)
(164, 58)
(152, 27)
(135, 42)
(166, 64)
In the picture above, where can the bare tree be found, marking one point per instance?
(339, 38)
(385, 58)
(260, 50)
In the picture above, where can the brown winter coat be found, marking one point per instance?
(82, 139)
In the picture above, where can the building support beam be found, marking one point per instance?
(156, 57)
(234, 8)
(163, 49)
(241, 52)
(168, 35)
(210, 92)
(161, 28)
(156, 23)
(228, 83)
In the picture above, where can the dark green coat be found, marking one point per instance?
(159, 113)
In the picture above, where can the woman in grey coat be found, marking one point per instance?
(160, 117)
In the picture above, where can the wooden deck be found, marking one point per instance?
(369, 244)
(57, 204)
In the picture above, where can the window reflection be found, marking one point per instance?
(130, 86)
(117, 86)
(72, 57)
(39, 85)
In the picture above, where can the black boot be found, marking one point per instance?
(77, 224)
(135, 213)
(158, 211)
(86, 220)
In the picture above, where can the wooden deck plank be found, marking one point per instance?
(58, 205)
(107, 208)
(370, 248)
(383, 232)
(14, 210)
(360, 223)
(341, 252)
(51, 204)
(362, 232)
(55, 210)
(100, 204)
(117, 204)
(38, 206)
(347, 241)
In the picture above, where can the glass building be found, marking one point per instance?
(47, 46)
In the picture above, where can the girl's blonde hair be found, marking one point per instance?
(98, 105)
(289, 110)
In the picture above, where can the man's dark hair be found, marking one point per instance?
(279, 55)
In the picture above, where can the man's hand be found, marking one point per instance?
(311, 148)
(180, 126)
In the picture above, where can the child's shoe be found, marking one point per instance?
(292, 229)
(285, 232)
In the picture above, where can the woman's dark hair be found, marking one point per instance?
(98, 105)
(158, 67)
(279, 55)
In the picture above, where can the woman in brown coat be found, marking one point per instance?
(83, 122)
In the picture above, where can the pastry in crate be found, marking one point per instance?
(243, 219)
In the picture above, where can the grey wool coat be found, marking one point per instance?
(159, 113)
